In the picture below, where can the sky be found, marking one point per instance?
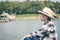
(31, 0)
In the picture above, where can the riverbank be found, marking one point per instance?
(29, 16)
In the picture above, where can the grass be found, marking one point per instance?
(29, 16)
(58, 15)
(26, 15)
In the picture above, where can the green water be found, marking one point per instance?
(17, 29)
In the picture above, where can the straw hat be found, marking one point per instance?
(48, 12)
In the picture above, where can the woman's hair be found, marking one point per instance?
(48, 18)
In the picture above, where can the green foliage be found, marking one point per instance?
(28, 7)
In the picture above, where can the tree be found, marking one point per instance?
(28, 6)
(28, 0)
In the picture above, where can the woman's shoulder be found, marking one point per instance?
(51, 24)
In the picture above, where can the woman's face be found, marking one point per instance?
(43, 17)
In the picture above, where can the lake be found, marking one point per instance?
(15, 30)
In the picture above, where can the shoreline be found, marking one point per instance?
(30, 16)
(27, 17)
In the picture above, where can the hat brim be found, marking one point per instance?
(42, 12)
(39, 11)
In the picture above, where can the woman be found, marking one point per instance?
(48, 30)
